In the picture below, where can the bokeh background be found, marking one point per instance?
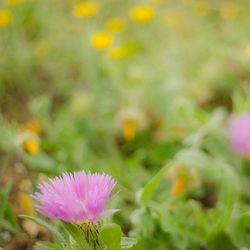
(124, 87)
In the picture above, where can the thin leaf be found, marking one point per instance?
(147, 192)
(4, 197)
(240, 230)
(49, 245)
(11, 217)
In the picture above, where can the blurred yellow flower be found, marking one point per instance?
(182, 177)
(86, 9)
(142, 13)
(129, 129)
(25, 203)
(229, 10)
(24, 199)
(116, 53)
(102, 40)
(31, 146)
(248, 49)
(13, 3)
(174, 19)
(178, 187)
(5, 18)
(130, 121)
(201, 8)
(116, 24)
(32, 126)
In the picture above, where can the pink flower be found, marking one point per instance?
(76, 198)
(240, 134)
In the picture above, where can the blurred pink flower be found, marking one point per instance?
(76, 198)
(240, 134)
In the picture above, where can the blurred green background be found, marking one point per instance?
(125, 87)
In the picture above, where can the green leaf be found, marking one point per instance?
(143, 222)
(111, 235)
(40, 162)
(220, 241)
(216, 119)
(240, 230)
(8, 226)
(41, 106)
(4, 197)
(78, 236)
(128, 242)
(228, 193)
(146, 193)
(49, 245)
(7, 215)
(240, 102)
(10, 215)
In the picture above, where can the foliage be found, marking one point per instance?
(141, 90)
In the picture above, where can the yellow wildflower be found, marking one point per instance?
(131, 120)
(116, 53)
(25, 203)
(142, 14)
(5, 18)
(174, 19)
(13, 3)
(86, 9)
(182, 177)
(201, 8)
(24, 199)
(129, 129)
(31, 146)
(229, 10)
(32, 126)
(248, 49)
(101, 41)
(116, 24)
(178, 187)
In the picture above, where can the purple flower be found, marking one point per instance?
(240, 134)
(76, 198)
